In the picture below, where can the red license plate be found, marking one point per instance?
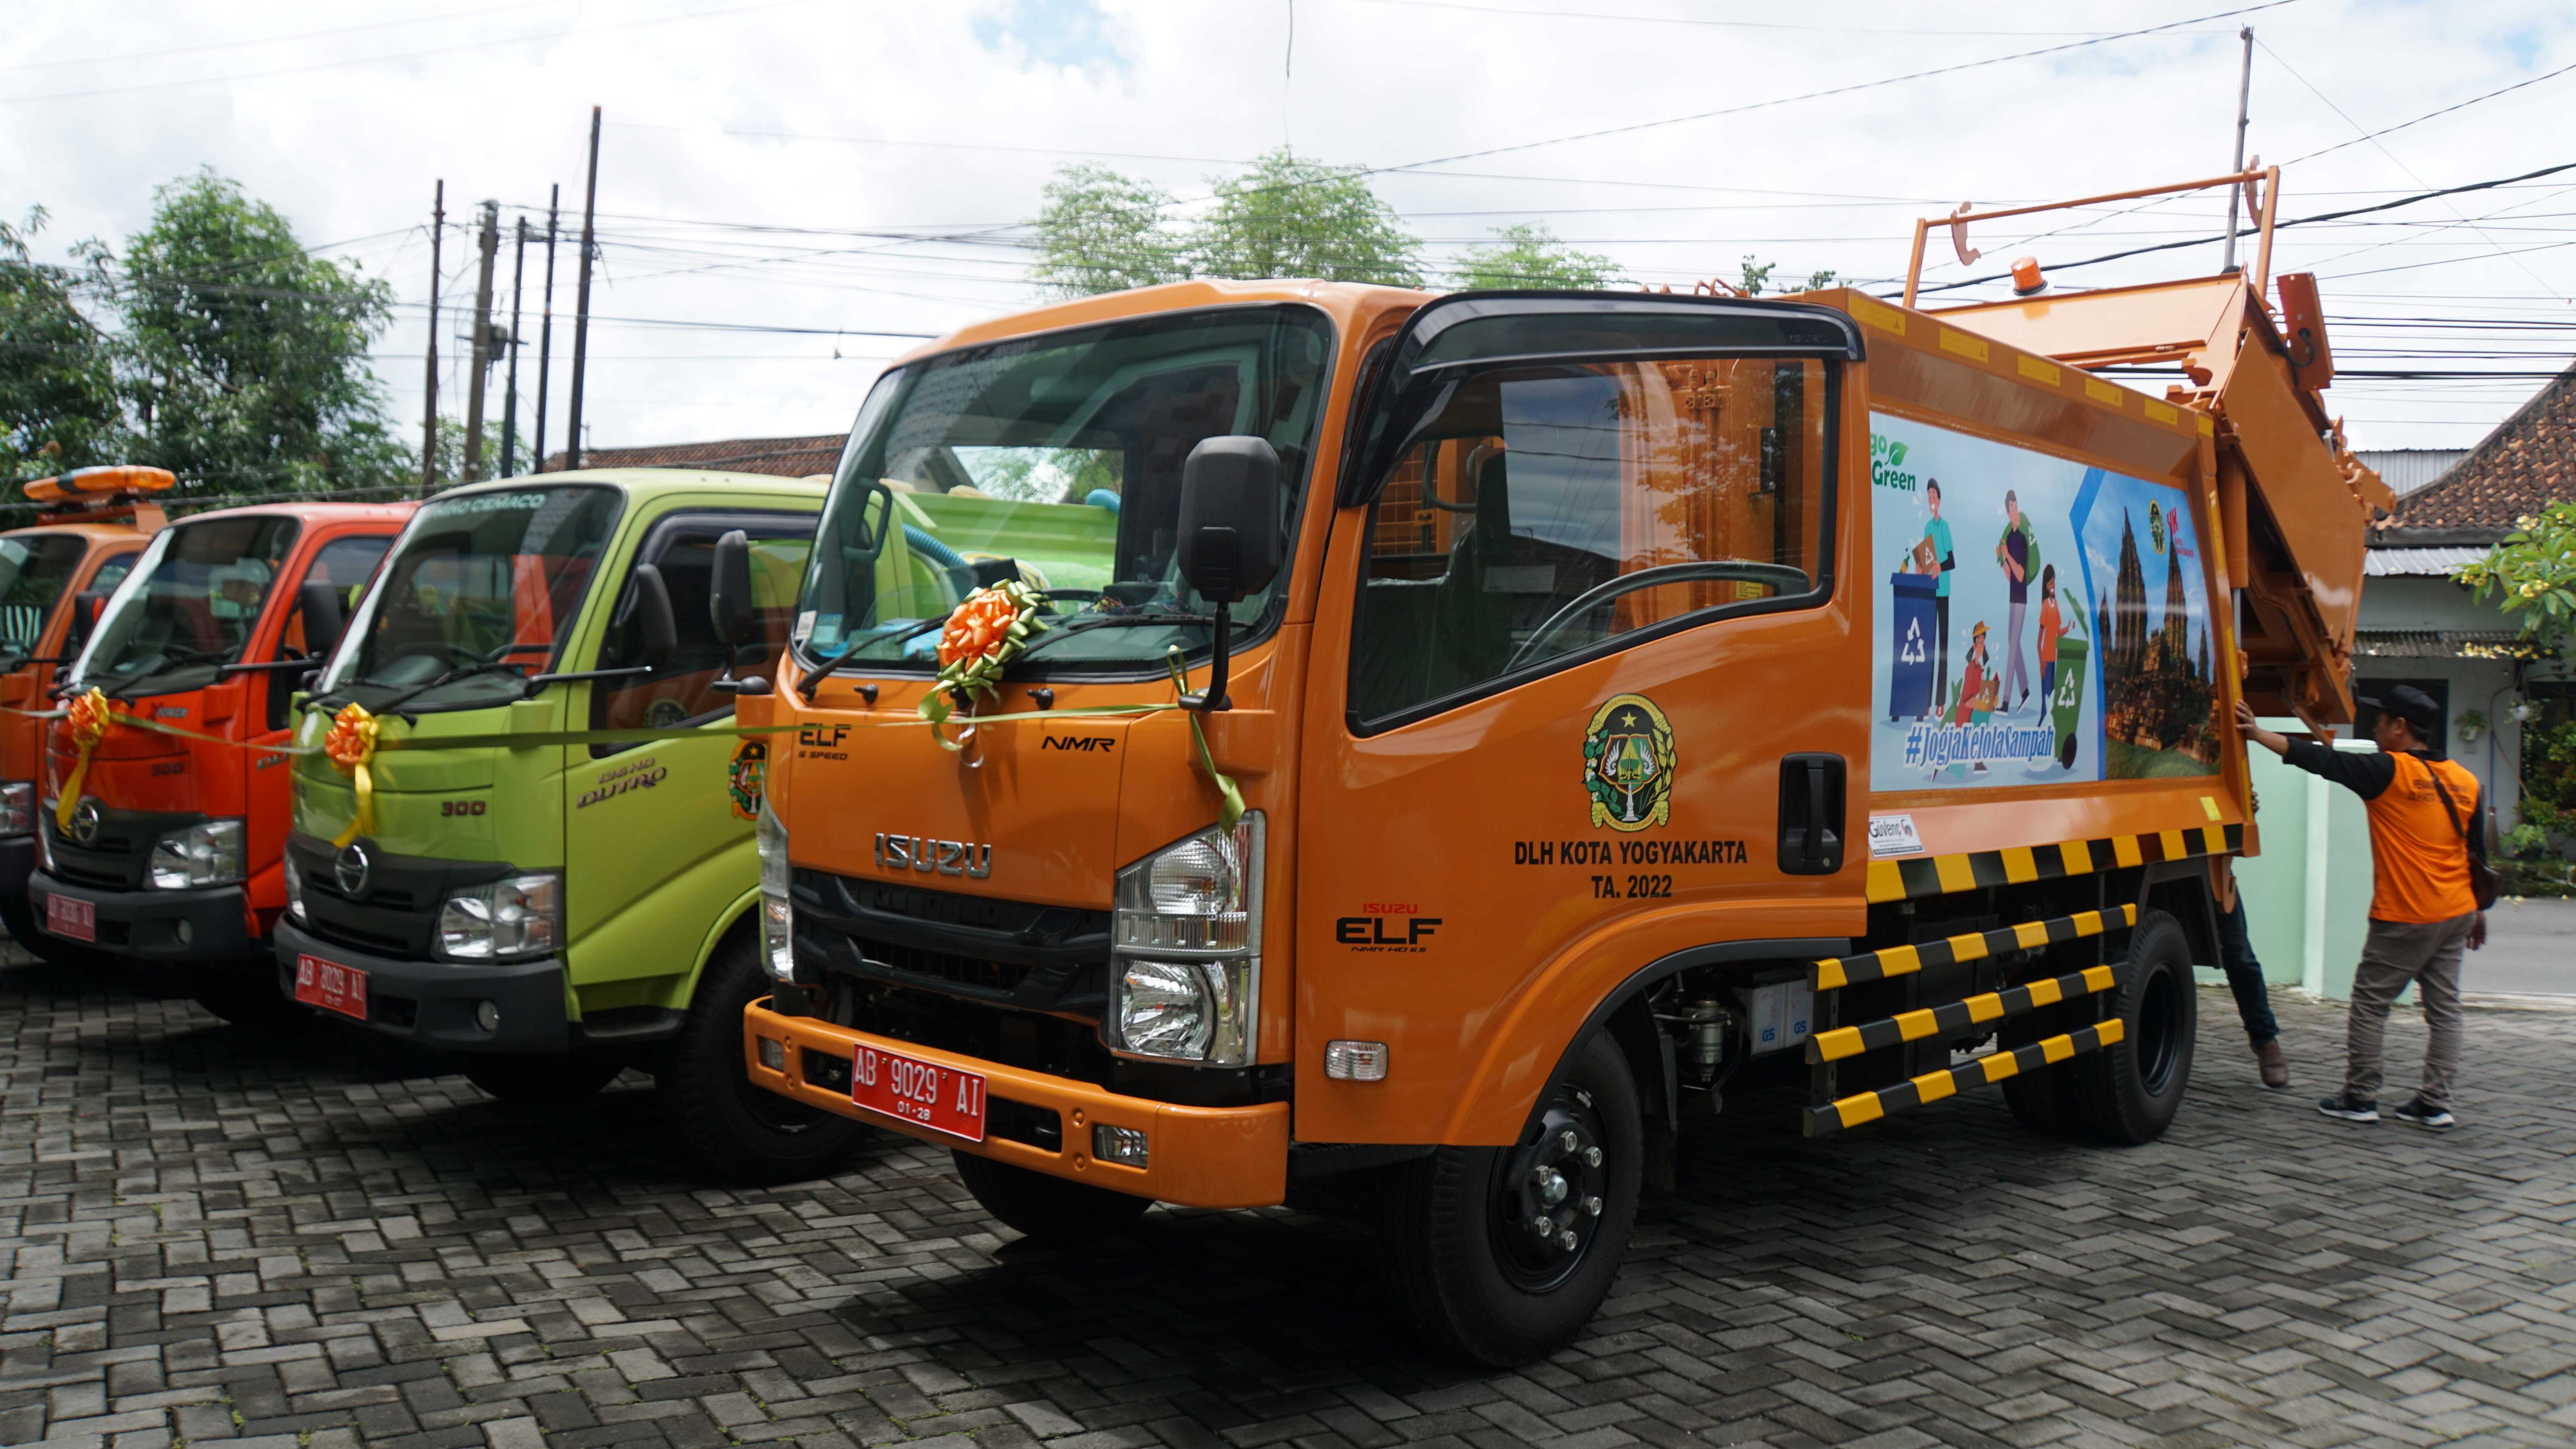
(71, 918)
(942, 1099)
(331, 986)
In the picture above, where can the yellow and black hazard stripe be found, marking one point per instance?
(1936, 875)
(1833, 972)
(1986, 1070)
(1953, 1017)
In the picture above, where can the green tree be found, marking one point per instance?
(451, 453)
(58, 399)
(2531, 574)
(1529, 255)
(245, 357)
(1291, 218)
(1101, 231)
(1754, 276)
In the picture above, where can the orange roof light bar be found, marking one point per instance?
(2266, 211)
(82, 484)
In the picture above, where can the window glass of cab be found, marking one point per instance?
(1544, 512)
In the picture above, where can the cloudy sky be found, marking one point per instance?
(784, 181)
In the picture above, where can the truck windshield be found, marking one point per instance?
(1054, 460)
(481, 591)
(33, 571)
(190, 605)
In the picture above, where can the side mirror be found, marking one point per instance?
(657, 627)
(729, 590)
(323, 621)
(1230, 543)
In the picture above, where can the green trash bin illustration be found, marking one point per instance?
(2067, 703)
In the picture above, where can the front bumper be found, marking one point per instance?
(17, 863)
(433, 1002)
(169, 927)
(1217, 1157)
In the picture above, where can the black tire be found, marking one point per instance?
(1048, 1209)
(2131, 1090)
(539, 1081)
(2043, 1101)
(737, 1131)
(1464, 1258)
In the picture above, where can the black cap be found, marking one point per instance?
(2411, 705)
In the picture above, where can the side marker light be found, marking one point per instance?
(1355, 1061)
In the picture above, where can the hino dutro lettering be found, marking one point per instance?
(1827, 694)
(170, 850)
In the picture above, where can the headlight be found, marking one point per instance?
(1187, 963)
(777, 912)
(294, 891)
(199, 856)
(502, 920)
(17, 807)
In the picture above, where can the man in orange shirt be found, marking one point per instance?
(2424, 825)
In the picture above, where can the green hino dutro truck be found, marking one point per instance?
(550, 907)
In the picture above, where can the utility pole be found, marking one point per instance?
(581, 303)
(546, 329)
(510, 394)
(429, 404)
(2244, 93)
(491, 241)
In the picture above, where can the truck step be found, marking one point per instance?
(1953, 1017)
(1831, 973)
(1865, 1107)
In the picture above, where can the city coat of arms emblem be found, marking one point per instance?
(1628, 764)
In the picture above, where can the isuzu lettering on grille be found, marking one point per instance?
(943, 857)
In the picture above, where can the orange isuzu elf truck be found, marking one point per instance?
(1632, 700)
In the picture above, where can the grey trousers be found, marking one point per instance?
(2395, 953)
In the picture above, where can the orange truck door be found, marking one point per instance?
(1591, 688)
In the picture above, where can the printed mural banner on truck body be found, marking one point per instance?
(2040, 621)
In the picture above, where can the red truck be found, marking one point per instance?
(169, 851)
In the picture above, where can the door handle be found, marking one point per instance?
(1811, 814)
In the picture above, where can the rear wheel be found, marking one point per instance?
(540, 1081)
(2131, 1090)
(736, 1130)
(1500, 1255)
(1049, 1209)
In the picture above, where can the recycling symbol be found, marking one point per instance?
(1912, 652)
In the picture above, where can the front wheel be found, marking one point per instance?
(736, 1130)
(1049, 1209)
(1500, 1255)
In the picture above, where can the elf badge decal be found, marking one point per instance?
(1628, 764)
(746, 777)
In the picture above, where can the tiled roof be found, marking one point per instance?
(786, 457)
(2445, 644)
(2529, 460)
(2418, 563)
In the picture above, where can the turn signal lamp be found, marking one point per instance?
(2027, 282)
(1355, 1061)
(100, 481)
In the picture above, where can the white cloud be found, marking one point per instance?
(350, 150)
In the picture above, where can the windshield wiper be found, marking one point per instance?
(185, 659)
(850, 651)
(1089, 622)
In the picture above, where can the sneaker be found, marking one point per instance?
(2421, 1114)
(2342, 1105)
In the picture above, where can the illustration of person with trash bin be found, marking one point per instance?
(2051, 629)
(1945, 561)
(2017, 551)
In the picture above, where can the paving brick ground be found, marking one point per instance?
(207, 1236)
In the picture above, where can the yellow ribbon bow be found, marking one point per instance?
(351, 747)
(89, 720)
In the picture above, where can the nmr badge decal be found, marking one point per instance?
(1628, 764)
